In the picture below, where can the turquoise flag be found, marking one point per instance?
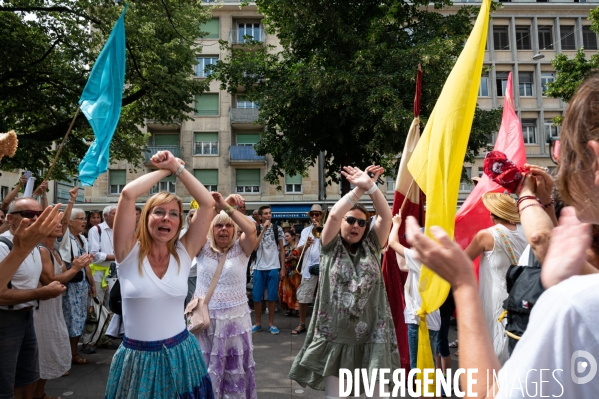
(101, 102)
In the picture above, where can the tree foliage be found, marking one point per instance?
(48, 49)
(343, 81)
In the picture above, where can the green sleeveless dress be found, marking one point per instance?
(351, 325)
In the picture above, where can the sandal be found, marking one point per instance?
(299, 329)
(453, 344)
(66, 374)
(78, 359)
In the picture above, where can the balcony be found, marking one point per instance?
(245, 154)
(151, 150)
(154, 125)
(241, 36)
(244, 115)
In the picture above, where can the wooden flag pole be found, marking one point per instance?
(62, 144)
(406, 197)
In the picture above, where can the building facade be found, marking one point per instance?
(217, 145)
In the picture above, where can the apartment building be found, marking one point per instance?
(217, 145)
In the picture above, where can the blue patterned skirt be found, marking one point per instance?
(172, 368)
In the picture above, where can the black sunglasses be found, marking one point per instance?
(352, 220)
(27, 213)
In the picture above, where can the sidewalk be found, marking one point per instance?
(273, 355)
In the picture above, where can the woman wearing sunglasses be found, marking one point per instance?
(158, 357)
(351, 326)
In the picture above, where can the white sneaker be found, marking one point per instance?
(266, 311)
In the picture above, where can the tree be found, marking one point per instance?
(344, 80)
(571, 72)
(48, 50)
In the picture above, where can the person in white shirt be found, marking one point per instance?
(100, 245)
(412, 297)
(311, 257)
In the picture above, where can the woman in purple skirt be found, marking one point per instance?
(227, 342)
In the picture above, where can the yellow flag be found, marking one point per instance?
(194, 205)
(436, 163)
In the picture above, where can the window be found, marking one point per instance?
(546, 77)
(3, 191)
(206, 105)
(118, 179)
(567, 37)
(247, 139)
(501, 83)
(203, 62)
(248, 181)
(252, 29)
(160, 140)
(167, 184)
(481, 171)
(464, 186)
(293, 184)
(501, 39)
(208, 177)
(212, 28)
(529, 131)
(523, 38)
(525, 84)
(206, 143)
(390, 184)
(551, 131)
(483, 90)
(589, 38)
(243, 102)
(545, 38)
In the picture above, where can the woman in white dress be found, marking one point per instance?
(48, 319)
(501, 246)
(158, 358)
(227, 342)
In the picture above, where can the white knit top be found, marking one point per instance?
(230, 290)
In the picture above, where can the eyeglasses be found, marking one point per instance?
(312, 214)
(161, 213)
(79, 219)
(352, 220)
(27, 213)
(220, 226)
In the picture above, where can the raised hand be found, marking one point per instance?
(73, 193)
(165, 160)
(544, 182)
(360, 178)
(27, 237)
(235, 199)
(52, 290)
(397, 220)
(444, 257)
(220, 203)
(41, 189)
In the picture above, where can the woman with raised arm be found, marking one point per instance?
(158, 357)
(351, 326)
(227, 342)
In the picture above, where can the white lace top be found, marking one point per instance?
(230, 290)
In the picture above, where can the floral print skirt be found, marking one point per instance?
(74, 307)
(171, 368)
(287, 291)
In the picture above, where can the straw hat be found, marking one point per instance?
(315, 208)
(502, 205)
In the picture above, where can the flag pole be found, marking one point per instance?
(62, 144)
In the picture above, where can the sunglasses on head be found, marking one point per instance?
(352, 220)
(27, 213)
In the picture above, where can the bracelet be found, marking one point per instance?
(372, 189)
(229, 210)
(356, 198)
(527, 197)
(528, 206)
(178, 172)
(552, 202)
(70, 201)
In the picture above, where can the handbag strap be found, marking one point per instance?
(217, 273)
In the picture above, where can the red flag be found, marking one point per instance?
(473, 216)
(407, 194)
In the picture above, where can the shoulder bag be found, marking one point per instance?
(196, 312)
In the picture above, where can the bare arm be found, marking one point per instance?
(394, 243)
(26, 237)
(66, 217)
(281, 255)
(481, 242)
(48, 275)
(448, 260)
(265, 226)
(363, 182)
(14, 193)
(42, 190)
(248, 238)
(12, 296)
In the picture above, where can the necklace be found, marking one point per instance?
(160, 259)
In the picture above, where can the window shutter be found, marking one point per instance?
(118, 177)
(207, 176)
(206, 104)
(248, 177)
(213, 29)
(206, 137)
(166, 139)
(297, 179)
(248, 138)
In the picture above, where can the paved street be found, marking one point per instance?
(273, 355)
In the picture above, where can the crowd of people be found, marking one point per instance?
(51, 262)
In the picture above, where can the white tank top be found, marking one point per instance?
(153, 307)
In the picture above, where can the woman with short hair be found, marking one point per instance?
(351, 325)
(158, 357)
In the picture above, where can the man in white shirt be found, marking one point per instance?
(101, 246)
(19, 364)
(311, 257)
(268, 269)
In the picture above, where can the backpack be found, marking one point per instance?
(524, 289)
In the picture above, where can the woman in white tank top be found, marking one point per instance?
(158, 357)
